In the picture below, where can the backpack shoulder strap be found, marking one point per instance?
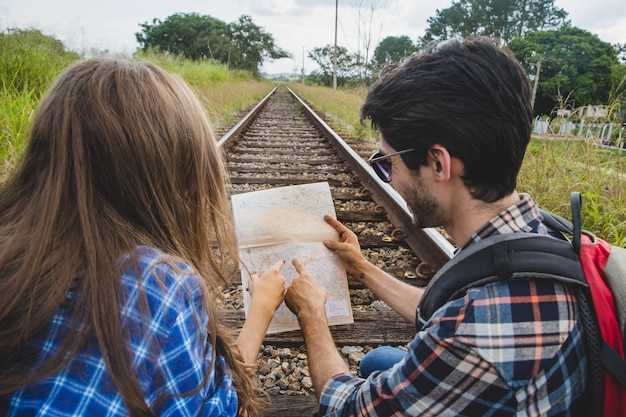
(500, 258)
(563, 226)
(556, 223)
(576, 204)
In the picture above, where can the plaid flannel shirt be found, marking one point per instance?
(170, 353)
(507, 348)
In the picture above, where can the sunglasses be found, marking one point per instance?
(381, 164)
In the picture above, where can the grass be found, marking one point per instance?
(30, 61)
(15, 112)
(341, 106)
(551, 169)
(224, 92)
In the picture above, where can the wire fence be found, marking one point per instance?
(610, 135)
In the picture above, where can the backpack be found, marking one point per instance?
(595, 270)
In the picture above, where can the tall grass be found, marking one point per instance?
(30, 61)
(554, 168)
(16, 108)
(199, 73)
(342, 106)
(551, 169)
(224, 92)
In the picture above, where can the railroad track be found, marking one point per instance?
(281, 142)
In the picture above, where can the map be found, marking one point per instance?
(287, 223)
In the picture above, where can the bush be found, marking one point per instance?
(223, 92)
(30, 60)
(198, 73)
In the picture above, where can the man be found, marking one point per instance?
(455, 121)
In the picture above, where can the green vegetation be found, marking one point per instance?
(495, 18)
(584, 73)
(578, 69)
(224, 92)
(551, 170)
(554, 168)
(340, 106)
(392, 50)
(352, 68)
(240, 44)
(30, 61)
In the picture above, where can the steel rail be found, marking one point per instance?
(234, 132)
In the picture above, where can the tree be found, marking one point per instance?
(241, 44)
(621, 51)
(575, 63)
(323, 57)
(250, 45)
(192, 35)
(503, 19)
(392, 50)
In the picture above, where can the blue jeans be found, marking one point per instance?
(380, 359)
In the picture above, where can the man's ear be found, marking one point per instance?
(440, 161)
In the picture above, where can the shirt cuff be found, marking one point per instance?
(338, 392)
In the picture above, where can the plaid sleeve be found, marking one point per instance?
(437, 377)
(177, 347)
(501, 349)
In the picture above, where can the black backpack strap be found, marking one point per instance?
(4, 405)
(613, 363)
(499, 258)
(556, 223)
(576, 203)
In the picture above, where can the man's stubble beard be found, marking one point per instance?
(425, 208)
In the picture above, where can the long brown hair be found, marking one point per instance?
(120, 154)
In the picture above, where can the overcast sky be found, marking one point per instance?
(295, 24)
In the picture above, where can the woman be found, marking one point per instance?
(114, 242)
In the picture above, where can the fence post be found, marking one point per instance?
(582, 126)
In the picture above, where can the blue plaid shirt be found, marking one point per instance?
(170, 353)
(504, 349)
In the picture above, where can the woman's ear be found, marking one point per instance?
(440, 161)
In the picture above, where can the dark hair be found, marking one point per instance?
(469, 96)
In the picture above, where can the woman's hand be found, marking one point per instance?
(348, 248)
(267, 291)
(304, 297)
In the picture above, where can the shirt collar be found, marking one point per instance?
(523, 216)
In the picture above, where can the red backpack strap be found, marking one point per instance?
(594, 254)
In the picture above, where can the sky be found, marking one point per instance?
(297, 25)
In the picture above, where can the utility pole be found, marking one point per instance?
(303, 52)
(536, 83)
(335, 50)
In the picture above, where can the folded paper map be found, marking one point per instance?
(287, 223)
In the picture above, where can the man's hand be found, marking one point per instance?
(268, 290)
(305, 298)
(348, 248)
